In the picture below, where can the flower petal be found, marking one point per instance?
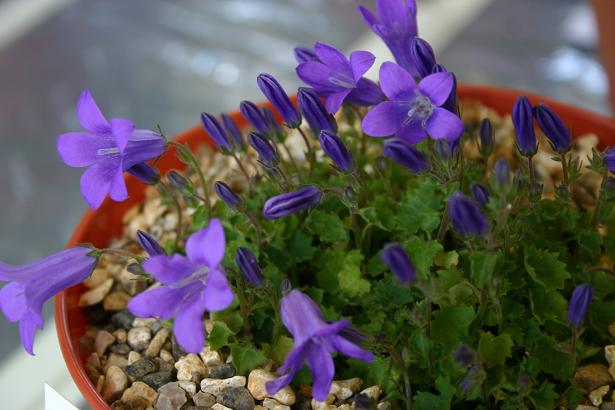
(366, 93)
(395, 82)
(437, 87)
(333, 58)
(121, 129)
(117, 190)
(321, 364)
(169, 269)
(89, 115)
(207, 245)
(443, 124)
(334, 101)
(317, 75)
(96, 181)
(217, 294)
(392, 13)
(188, 327)
(27, 329)
(13, 301)
(350, 349)
(384, 119)
(159, 302)
(412, 132)
(294, 362)
(361, 62)
(80, 149)
(141, 150)
(368, 16)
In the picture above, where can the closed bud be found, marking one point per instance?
(445, 149)
(266, 152)
(579, 304)
(314, 111)
(226, 194)
(463, 355)
(233, 130)
(405, 155)
(149, 244)
(276, 95)
(523, 120)
(501, 171)
(398, 261)
(553, 127)
(254, 116)
(480, 194)
(272, 123)
(304, 54)
(292, 202)
(487, 137)
(609, 159)
(145, 173)
(335, 148)
(179, 182)
(422, 56)
(217, 132)
(248, 265)
(465, 216)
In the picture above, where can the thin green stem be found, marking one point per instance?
(596, 217)
(310, 151)
(443, 225)
(257, 228)
(565, 171)
(291, 157)
(244, 172)
(194, 164)
(573, 357)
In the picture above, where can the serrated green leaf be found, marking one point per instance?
(219, 335)
(446, 260)
(548, 305)
(350, 278)
(422, 253)
(482, 266)
(430, 401)
(545, 396)
(494, 350)
(420, 209)
(451, 325)
(545, 269)
(328, 226)
(300, 247)
(246, 358)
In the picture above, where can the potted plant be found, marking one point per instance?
(394, 244)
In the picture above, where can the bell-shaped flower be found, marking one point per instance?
(217, 132)
(248, 265)
(232, 129)
(395, 256)
(414, 111)
(191, 285)
(579, 304)
(335, 148)
(487, 137)
(423, 56)
(266, 152)
(480, 194)
(405, 155)
(274, 92)
(553, 127)
(149, 244)
(465, 216)
(107, 148)
(254, 116)
(30, 286)
(523, 120)
(226, 194)
(314, 342)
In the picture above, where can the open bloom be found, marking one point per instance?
(579, 303)
(290, 203)
(413, 110)
(338, 78)
(32, 284)
(191, 285)
(395, 256)
(396, 26)
(107, 148)
(314, 342)
(465, 216)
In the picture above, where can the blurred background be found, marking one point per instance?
(163, 62)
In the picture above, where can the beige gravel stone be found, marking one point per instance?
(157, 342)
(191, 368)
(344, 389)
(257, 380)
(103, 340)
(215, 386)
(114, 384)
(189, 387)
(133, 356)
(324, 405)
(97, 294)
(97, 277)
(597, 395)
(219, 406)
(373, 392)
(609, 354)
(139, 337)
(592, 376)
(272, 404)
(204, 399)
(115, 359)
(94, 361)
(139, 396)
(121, 335)
(115, 301)
(144, 322)
(210, 357)
(166, 356)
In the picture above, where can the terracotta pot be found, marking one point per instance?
(106, 223)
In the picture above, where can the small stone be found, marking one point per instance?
(115, 383)
(384, 405)
(582, 407)
(237, 398)
(123, 319)
(116, 301)
(344, 406)
(139, 396)
(115, 359)
(592, 376)
(157, 379)
(97, 294)
(141, 367)
(372, 392)
(189, 387)
(191, 368)
(256, 385)
(259, 407)
(121, 335)
(609, 354)
(324, 405)
(223, 371)
(607, 405)
(166, 356)
(219, 406)
(612, 329)
(118, 405)
(215, 386)
(596, 396)
(97, 277)
(165, 366)
(170, 397)
(92, 372)
(209, 357)
(120, 348)
(344, 389)
(139, 337)
(144, 322)
(204, 399)
(102, 342)
(272, 404)
(196, 408)
(100, 383)
(157, 342)
(133, 357)
(93, 360)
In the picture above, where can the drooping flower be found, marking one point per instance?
(338, 78)
(303, 54)
(191, 285)
(486, 137)
(232, 129)
(523, 120)
(480, 194)
(107, 148)
(553, 127)
(217, 132)
(609, 159)
(226, 194)
(145, 173)
(149, 244)
(248, 265)
(335, 148)
(314, 111)
(266, 152)
(396, 25)
(314, 342)
(405, 155)
(422, 56)
(290, 203)
(451, 101)
(579, 304)
(254, 116)
(274, 92)
(395, 256)
(465, 216)
(30, 286)
(413, 110)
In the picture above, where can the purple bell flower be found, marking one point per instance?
(451, 101)
(523, 120)
(405, 155)
(217, 132)
(145, 173)
(149, 244)
(480, 194)
(398, 261)
(487, 137)
(609, 159)
(266, 152)
(254, 116)
(274, 92)
(314, 111)
(232, 129)
(30, 286)
(413, 110)
(465, 216)
(290, 203)
(304, 54)
(396, 25)
(579, 303)
(191, 285)
(335, 148)
(553, 127)
(226, 194)
(422, 56)
(179, 182)
(337, 78)
(107, 148)
(314, 342)
(248, 265)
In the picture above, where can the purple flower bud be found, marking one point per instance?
(501, 170)
(334, 147)
(486, 137)
(451, 101)
(226, 194)
(232, 129)
(398, 261)
(480, 194)
(305, 54)
(465, 216)
(145, 173)
(579, 303)
(609, 159)
(292, 202)
(463, 355)
(314, 111)
(422, 56)
(445, 149)
(179, 182)
(266, 151)
(471, 378)
(274, 92)
(405, 155)
(248, 265)
(553, 127)
(523, 120)
(272, 123)
(217, 133)
(255, 116)
(149, 244)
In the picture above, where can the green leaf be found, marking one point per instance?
(451, 325)
(552, 359)
(300, 247)
(494, 350)
(545, 396)
(482, 265)
(218, 337)
(545, 268)
(350, 279)
(329, 227)
(446, 260)
(279, 350)
(420, 208)
(198, 218)
(422, 253)
(430, 401)
(246, 358)
(548, 305)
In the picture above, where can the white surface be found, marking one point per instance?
(55, 401)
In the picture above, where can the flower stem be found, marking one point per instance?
(120, 252)
(573, 358)
(565, 171)
(194, 164)
(244, 172)
(310, 152)
(597, 210)
(532, 175)
(290, 156)
(257, 228)
(443, 225)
